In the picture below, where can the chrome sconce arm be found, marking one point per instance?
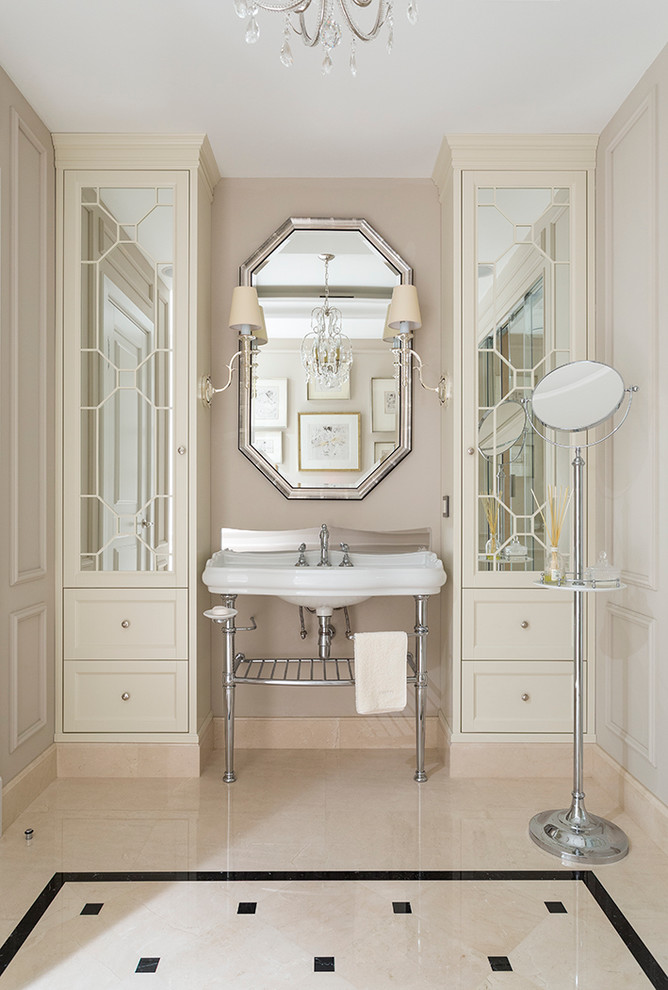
(246, 355)
(247, 317)
(403, 317)
(404, 354)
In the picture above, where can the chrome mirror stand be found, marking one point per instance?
(574, 834)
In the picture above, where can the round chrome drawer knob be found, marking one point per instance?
(181, 449)
(470, 451)
(125, 623)
(525, 696)
(125, 696)
(524, 624)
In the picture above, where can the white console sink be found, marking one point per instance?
(230, 572)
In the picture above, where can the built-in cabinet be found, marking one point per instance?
(134, 233)
(517, 224)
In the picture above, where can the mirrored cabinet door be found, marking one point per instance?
(125, 416)
(524, 314)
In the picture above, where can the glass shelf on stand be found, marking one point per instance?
(569, 583)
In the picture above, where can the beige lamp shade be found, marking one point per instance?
(388, 333)
(261, 333)
(404, 308)
(245, 310)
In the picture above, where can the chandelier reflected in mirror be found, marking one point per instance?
(326, 352)
(321, 22)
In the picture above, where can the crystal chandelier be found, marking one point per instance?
(325, 28)
(326, 352)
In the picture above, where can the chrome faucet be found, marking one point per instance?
(346, 562)
(324, 547)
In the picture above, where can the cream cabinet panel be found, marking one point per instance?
(127, 696)
(498, 696)
(518, 252)
(520, 624)
(134, 339)
(126, 625)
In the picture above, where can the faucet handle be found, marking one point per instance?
(346, 562)
(302, 561)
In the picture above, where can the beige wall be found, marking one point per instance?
(406, 214)
(632, 330)
(27, 487)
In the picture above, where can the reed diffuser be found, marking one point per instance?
(557, 506)
(491, 507)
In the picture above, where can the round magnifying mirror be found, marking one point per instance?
(497, 434)
(577, 396)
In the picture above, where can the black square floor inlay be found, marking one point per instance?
(657, 976)
(402, 907)
(147, 964)
(91, 908)
(556, 907)
(247, 907)
(500, 964)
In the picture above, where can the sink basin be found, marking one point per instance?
(231, 572)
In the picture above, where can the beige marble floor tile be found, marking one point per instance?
(320, 810)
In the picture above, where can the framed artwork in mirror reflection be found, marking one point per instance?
(316, 394)
(382, 449)
(270, 404)
(329, 441)
(269, 443)
(384, 405)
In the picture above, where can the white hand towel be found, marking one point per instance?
(380, 672)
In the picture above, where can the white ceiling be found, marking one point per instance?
(468, 66)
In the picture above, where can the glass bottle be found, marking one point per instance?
(554, 570)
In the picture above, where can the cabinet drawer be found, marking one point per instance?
(139, 696)
(126, 625)
(498, 696)
(517, 625)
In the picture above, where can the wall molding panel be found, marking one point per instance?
(638, 694)
(27, 673)
(631, 251)
(28, 344)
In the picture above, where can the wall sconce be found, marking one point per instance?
(247, 318)
(403, 317)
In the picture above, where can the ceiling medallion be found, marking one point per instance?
(325, 29)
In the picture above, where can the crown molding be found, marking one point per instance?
(136, 151)
(208, 165)
(516, 151)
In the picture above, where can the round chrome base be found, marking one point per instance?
(229, 777)
(597, 841)
(420, 776)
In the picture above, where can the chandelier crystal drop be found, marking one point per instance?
(326, 353)
(322, 23)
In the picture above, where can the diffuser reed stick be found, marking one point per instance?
(491, 507)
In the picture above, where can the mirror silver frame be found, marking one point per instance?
(596, 370)
(405, 438)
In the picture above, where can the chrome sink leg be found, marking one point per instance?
(228, 683)
(421, 633)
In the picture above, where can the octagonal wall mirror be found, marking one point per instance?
(311, 441)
